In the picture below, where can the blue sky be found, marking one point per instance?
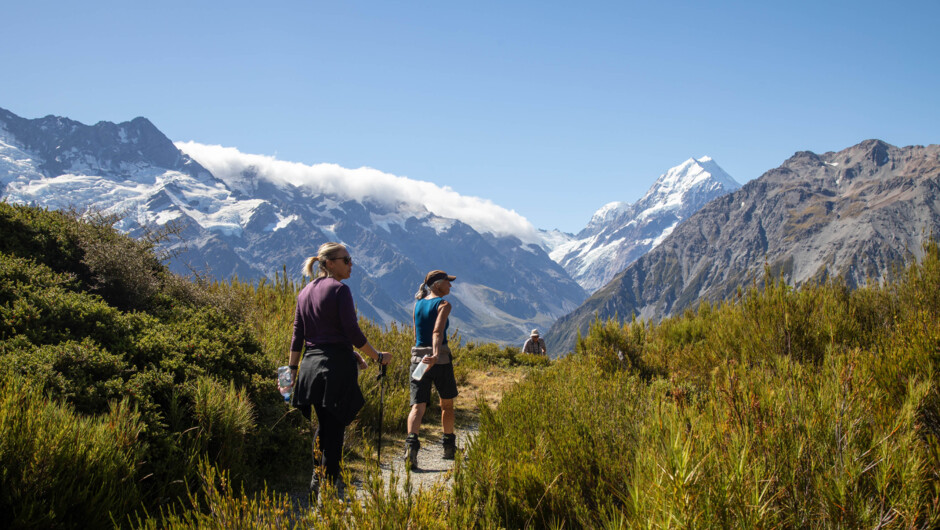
(551, 109)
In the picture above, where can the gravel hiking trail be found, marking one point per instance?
(486, 386)
(432, 468)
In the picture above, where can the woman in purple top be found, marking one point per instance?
(325, 331)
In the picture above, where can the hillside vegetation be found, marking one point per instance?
(133, 397)
(123, 386)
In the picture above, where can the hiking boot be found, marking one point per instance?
(449, 441)
(412, 445)
(340, 489)
(314, 489)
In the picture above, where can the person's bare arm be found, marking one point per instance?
(376, 355)
(293, 359)
(443, 311)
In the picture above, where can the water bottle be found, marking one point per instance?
(284, 382)
(419, 371)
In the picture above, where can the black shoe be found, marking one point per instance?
(340, 489)
(450, 452)
(412, 446)
(449, 441)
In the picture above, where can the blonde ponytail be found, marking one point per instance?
(326, 251)
(422, 292)
(308, 268)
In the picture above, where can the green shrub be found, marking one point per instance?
(121, 269)
(617, 347)
(811, 407)
(485, 355)
(559, 447)
(532, 360)
(64, 323)
(41, 236)
(225, 417)
(61, 468)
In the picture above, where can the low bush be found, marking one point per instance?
(558, 447)
(481, 356)
(63, 468)
(88, 335)
(225, 417)
(812, 407)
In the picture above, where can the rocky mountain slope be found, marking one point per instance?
(621, 232)
(251, 220)
(855, 213)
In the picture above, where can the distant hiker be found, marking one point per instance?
(430, 329)
(325, 330)
(534, 344)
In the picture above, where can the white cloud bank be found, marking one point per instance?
(228, 164)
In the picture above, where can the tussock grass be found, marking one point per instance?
(60, 467)
(814, 407)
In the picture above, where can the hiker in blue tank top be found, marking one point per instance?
(430, 328)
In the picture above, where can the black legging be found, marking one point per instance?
(330, 433)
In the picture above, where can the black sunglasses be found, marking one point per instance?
(346, 259)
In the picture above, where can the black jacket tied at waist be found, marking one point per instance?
(329, 375)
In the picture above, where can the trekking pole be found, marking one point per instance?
(381, 379)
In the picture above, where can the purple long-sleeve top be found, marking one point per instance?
(326, 314)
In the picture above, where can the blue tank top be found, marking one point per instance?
(425, 317)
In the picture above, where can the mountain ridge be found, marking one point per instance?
(854, 213)
(264, 222)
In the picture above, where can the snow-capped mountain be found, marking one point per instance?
(619, 232)
(253, 215)
(856, 214)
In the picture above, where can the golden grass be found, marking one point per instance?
(488, 386)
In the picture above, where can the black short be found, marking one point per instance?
(442, 375)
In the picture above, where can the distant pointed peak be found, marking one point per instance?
(689, 175)
(693, 168)
(140, 121)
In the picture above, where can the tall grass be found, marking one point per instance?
(223, 504)
(811, 407)
(61, 468)
(225, 417)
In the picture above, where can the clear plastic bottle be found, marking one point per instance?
(284, 382)
(419, 371)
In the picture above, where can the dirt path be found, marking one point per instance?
(487, 386)
(432, 468)
(481, 386)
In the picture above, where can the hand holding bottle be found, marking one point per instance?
(285, 383)
(426, 363)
